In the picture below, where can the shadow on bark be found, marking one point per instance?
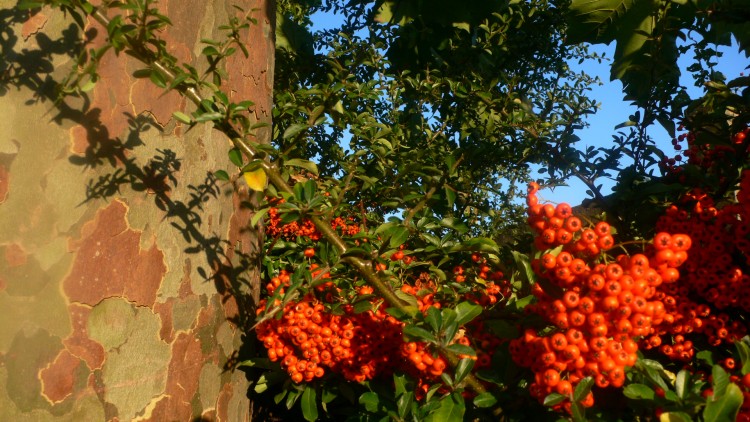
(33, 70)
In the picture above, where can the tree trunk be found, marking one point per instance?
(128, 273)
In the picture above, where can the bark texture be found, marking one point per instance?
(127, 271)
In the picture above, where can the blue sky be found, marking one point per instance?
(613, 109)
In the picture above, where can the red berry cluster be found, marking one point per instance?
(714, 283)
(598, 310)
(704, 155)
(305, 228)
(556, 225)
(308, 340)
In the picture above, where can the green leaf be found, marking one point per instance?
(467, 311)
(294, 129)
(419, 333)
(724, 408)
(743, 350)
(583, 388)
(463, 369)
(362, 306)
(235, 156)
(639, 392)
(554, 399)
(593, 20)
(579, 412)
(309, 404)
(328, 395)
(454, 224)
(404, 402)
(400, 382)
(450, 195)
(292, 398)
(682, 383)
(158, 79)
(259, 214)
(264, 363)
(412, 305)
(460, 349)
(88, 86)
(182, 117)
(522, 263)
(449, 326)
(397, 236)
(210, 51)
(451, 408)
(448, 317)
(675, 417)
(370, 401)
(478, 244)
(305, 164)
(720, 380)
(434, 318)
(650, 363)
(29, 4)
(142, 73)
(210, 116)
(221, 175)
(485, 400)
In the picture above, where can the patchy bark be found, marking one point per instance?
(127, 271)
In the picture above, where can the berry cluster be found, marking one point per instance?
(708, 156)
(556, 225)
(714, 284)
(275, 227)
(598, 310)
(309, 340)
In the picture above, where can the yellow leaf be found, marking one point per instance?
(256, 179)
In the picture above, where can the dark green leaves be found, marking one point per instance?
(724, 404)
(467, 311)
(554, 399)
(463, 369)
(484, 400)
(418, 333)
(583, 389)
(639, 392)
(451, 408)
(235, 156)
(370, 401)
(309, 404)
(593, 20)
(294, 129)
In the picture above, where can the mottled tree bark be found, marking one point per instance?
(128, 274)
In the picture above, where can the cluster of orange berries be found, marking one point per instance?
(713, 284)
(556, 225)
(308, 341)
(292, 230)
(599, 311)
